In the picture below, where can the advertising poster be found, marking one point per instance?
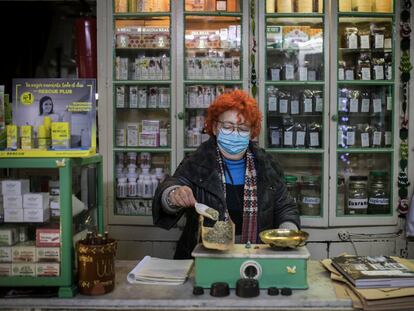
(70, 106)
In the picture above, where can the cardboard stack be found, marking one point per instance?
(372, 298)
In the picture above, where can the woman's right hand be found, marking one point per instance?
(182, 196)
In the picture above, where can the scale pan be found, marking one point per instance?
(282, 238)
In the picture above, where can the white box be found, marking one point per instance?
(55, 213)
(15, 187)
(5, 254)
(54, 205)
(235, 73)
(13, 201)
(13, 215)
(48, 254)
(23, 269)
(54, 187)
(47, 269)
(132, 135)
(36, 200)
(36, 215)
(5, 269)
(24, 252)
(8, 236)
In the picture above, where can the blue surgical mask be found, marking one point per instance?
(232, 143)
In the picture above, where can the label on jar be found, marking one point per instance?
(275, 72)
(349, 74)
(300, 138)
(379, 201)
(308, 105)
(342, 103)
(379, 72)
(341, 74)
(353, 105)
(314, 139)
(365, 105)
(389, 103)
(388, 138)
(283, 106)
(389, 72)
(288, 138)
(387, 43)
(350, 138)
(303, 73)
(377, 103)
(352, 41)
(366, 73)
(357, 203)
(364, 140)
(311, 75)
(294, 107)
(377, 139)
(311, 200)
(379, 41)
(365, 42)
(272, 103)
(289, 72)
(275, 137)
(341, 138)
(318, 104)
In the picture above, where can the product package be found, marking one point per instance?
(52, 117)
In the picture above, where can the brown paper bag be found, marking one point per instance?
(207, 232)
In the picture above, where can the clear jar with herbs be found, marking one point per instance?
(378, 193)
(292, 187)
(310, 196)
(357, 195)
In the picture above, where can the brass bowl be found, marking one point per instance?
(284, 237)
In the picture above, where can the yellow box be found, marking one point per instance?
(26, 137)
(60, 135)
(12, 136)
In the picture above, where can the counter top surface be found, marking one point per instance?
(125, 296)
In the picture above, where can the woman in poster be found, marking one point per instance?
(45, 110)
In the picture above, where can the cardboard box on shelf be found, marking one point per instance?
(15, 187)
(5, 269)
(48, 254)
(13, 201)
(36, 200)
(47, 269)
(13, 215)
(8, 236)
(36, 215)
(47, 237)
(5, 254)
(24, 252)
(23, 269)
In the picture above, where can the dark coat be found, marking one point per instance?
(199, 172)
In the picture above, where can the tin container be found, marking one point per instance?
(96, 268)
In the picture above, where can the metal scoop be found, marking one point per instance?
(207, 211)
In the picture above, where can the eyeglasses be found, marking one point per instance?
(228, 127)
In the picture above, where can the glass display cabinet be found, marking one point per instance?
(142, 100)
(364, 119)
(294, 57)
(212, 59)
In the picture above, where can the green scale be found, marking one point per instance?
(272, 267)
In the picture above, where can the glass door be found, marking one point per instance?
(142, 104)
(294, 36)
(365, 119)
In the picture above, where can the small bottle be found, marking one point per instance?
(159, 174)
(42, 138)
(88, 238)
(122, 188)
(147, 187)
(140, 185)
(132, 185)
(154, 182)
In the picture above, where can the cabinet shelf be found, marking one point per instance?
(140, 15)
(142, 149)
(294, 15)
(365, 14)
(294, 83)
(278, 115)
(143, 109)
(295, 150)
(142, 82)
(141, 49)
(215, 49)
(364, 150)
(347, 50)
(225, 82)
(366, 82)
(213, 13)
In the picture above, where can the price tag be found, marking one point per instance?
(364, 140)
(366, 73)
(341, 74)
(377, 105)
(349, 74)
(275, 137)
(300, 138)
(314, 139)
(379, 41)
(377, 139)
(289, 72)
(318, 104)
(342, 101)
(294, 107)
(275, 73)
(308, 105)
(379, 72)
(364, 42)
(365, 105)
(288, 139)
(272, 103)
(353, 41)
(350, 138)
(303, 73)
(353, 106)
(283, 105)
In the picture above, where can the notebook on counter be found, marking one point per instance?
(158, 271)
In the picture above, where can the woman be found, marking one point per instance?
(230, 173)
(45, 110)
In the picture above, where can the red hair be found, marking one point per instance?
(237, 100)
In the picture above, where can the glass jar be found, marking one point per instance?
(357, 195)
(122, 188)
(340, 192)
(310, 196)
(291, 187)
(378, 196)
